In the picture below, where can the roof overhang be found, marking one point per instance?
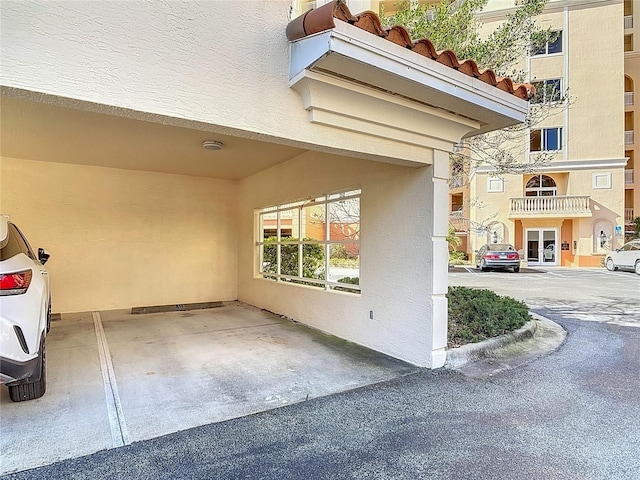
(354, 55)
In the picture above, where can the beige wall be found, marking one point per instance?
(122, 238)
(396, 256)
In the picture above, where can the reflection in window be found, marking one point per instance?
(547, 91)
(314, 242)
(545, 139)
(541, 186)
(549, 44)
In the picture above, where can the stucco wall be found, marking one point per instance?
(396, 261)
(224, 63)
(121, 238)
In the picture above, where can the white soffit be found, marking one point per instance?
(351, 53)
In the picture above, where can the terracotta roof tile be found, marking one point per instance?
(322, 18)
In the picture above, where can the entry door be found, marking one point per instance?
(542, 246)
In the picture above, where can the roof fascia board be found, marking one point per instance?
(421, 79)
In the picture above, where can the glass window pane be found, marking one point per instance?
(555, 46)
(269, 261)
(344, 267)
(313, 264)
(553, 90)
(289, 227)
(289, 260)
(268, 225)
(552, 139)
(547, 181)
(344, 219)
(313, 222)
(535, 139)
(534, 182)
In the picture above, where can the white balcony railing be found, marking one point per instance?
(628, 137)
(628, 99)
(628, 215)
(628, 21)
(628, 176)
(555, 206)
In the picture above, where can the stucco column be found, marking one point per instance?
(440, 256)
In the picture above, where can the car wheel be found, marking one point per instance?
(610, 265)
(31, 389)
(638, 267)
(516, 269)
(483, 267)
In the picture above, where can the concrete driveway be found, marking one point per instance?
(116, 378)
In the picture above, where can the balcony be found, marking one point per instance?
(628, 137)
(628, 99)
(628, 176)
(555, 206)
(628, 215)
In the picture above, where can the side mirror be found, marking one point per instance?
(43, 255)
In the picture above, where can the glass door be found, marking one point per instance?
(542, 247)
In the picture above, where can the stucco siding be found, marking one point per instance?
(396, 263)
(122, 238)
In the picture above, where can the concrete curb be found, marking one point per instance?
(457, 357)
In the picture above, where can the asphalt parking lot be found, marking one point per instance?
(572, 414)
(589, 294)
(115, 378)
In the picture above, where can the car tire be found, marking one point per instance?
(516, 269)
(638, 267)
(483, 268)
(610, 265)
(30, 390)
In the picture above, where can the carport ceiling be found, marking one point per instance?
(51, 133)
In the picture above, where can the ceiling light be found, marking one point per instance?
(212, 145)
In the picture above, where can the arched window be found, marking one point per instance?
(628, 90)
(541, 186)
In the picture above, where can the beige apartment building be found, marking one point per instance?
(631, 79)
(574, 208)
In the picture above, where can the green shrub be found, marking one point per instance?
(312, 258)
(476, 315)
(458, 258)
(350, 280)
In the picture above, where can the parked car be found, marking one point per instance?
(497, 255)
(625, 257)
(25, 314)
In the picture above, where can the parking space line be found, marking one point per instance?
(471, 270)
(119, 433)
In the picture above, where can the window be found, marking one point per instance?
(545, 139)
(315, 242)
(541, 186)
(602, 180)
(551, 43)
(15, 244)
(495, 184)
(547, 91)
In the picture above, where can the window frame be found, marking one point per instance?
(297, 208)
(542, 91)
(544, 50)
(544, 139)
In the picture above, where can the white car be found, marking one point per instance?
(625, 257)
(25, 314)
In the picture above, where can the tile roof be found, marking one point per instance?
(322, 18)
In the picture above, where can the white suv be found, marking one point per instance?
(625, 257)
(25, 314)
